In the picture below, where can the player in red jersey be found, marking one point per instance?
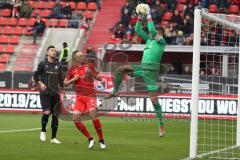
(82, 75)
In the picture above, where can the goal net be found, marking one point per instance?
(215, 130)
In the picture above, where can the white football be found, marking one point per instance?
(141, 9)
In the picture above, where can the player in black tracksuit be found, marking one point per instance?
(49, 76)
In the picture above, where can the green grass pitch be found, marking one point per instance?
(129, 140)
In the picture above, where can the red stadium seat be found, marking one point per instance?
(163, 6)
(36, 12)
(2, 67)
(4, 58)
(92, 6)
(50, 4)
(18, 30)
(45, 20)
(8, 30)
(26, 32)
(22, 68)
(89, 14)
(212, 8)
(31, 21)
(63, 23)
(46, 12)
(2, 48)
(180, 7)
(5, 12)
(53, 22)
(3, 21)
(234, 9)
(9, 49)
(167, 16)
(25, 60)
(181, 14)
(41, 5)
(4, 39)
(33, 4)
(183, 1)
(236, 2)
(22, 22)
(14, 40)
(81, 6)
(12, 21)
(72, 5)
(63, 3)
(164, 23)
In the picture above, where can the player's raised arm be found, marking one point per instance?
(151, 27)
(138, 27)
(139, 31)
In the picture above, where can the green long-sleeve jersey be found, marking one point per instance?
(154, 48)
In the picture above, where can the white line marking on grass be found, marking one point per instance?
(20, 130)
(131, 131)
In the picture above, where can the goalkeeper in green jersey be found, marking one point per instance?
(150, 65)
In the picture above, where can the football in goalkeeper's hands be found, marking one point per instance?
(141, 9)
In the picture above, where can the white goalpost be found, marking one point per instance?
(216, 63)
(195, 82)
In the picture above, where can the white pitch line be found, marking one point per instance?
(130, 131)
(20, 130)
(65, 128)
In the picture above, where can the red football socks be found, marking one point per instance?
(81, 127)
(98, 127)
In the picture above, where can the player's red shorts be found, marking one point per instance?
(84, 104)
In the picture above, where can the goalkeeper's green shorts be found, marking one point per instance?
(150, 76)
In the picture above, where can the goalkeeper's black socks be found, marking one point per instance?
(44, 122)
(54, 126)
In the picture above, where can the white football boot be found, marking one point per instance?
(102, 144)
(43, 136)
(91, 144)
(55, 141)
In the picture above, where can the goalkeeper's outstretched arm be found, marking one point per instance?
(139, 31)
(151, 27)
